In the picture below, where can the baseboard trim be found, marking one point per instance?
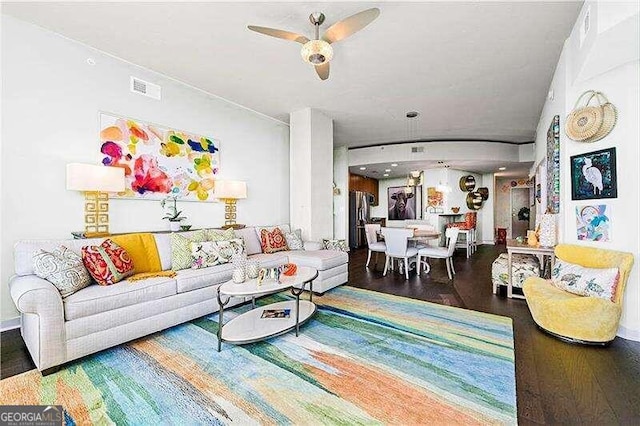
(10, 324)
(629, 334)
(488, 242)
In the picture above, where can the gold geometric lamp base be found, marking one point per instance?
(230, 191)
(96, 182)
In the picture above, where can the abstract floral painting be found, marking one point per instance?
(435, 198)
(159, 162)
(553, 166)
(593, 222)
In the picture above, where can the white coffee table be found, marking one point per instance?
(249, 327)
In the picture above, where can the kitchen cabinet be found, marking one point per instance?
(364, 184)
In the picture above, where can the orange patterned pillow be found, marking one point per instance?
(273, 241)
(107, 263)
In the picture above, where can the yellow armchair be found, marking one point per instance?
(574, 318)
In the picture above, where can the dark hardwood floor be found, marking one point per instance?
(557, 383)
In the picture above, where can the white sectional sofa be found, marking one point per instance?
(58, 330)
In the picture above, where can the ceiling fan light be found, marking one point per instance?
(316, 52)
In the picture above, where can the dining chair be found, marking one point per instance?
(468, 229)
(371, 230)
(397, 241)
(423, 227)
(441, 252)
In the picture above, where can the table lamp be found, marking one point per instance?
(96, 182)
(230, 191)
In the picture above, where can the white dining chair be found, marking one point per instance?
(441, 252)
(397, 241)
(371, 230)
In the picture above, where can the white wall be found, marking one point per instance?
(51, 98)
(487, 221)
(341, 201)
(612, 68)
(311, 158)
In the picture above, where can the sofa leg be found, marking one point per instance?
(51, 370)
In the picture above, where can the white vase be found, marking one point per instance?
(238, 275)
(174, 226)
(252, 269)
(548, 230)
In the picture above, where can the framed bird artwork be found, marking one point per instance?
(593, 175)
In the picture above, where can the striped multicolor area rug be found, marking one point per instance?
(364, 358)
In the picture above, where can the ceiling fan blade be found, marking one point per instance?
(350, 25)
(287, 35)
(323, 71)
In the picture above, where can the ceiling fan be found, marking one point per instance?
(318, 52)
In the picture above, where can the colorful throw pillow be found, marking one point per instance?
(594, 282)
(294, 240)
(181, 249)
(211, 253)
(339, 245)
(62, 268)
(220, 234)
(107, 263)
(273, 241)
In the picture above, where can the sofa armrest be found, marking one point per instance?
(312, 245)
(43, 327)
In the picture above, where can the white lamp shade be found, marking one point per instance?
(91, 177)
(230, 189)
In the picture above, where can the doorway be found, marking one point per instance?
(521, 212)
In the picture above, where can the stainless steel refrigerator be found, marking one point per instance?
(359, 214)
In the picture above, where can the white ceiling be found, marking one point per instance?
(377, 171)
(473, 70)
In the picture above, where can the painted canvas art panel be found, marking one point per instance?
(593, 175)
(158, 161)
(593, 222)
(553, 166)
(435, 198)
(404, 202)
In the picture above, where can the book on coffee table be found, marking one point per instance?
(276, 313)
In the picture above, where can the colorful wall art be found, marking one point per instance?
(593, 222)
(553, 166)
(435, 198)
(158, 161)
(593, 175)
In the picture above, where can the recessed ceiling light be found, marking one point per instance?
(386, 175)
(502, 168)
(394, 165)
(387, 170)
(412, 114)
(363, 168)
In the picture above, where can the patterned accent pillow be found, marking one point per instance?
(339, 245)
(107, 263)
(594, 282)
(294, 240)
(181, 249)
(62, 268)
(221, 234)
(211, 253)
(273, 241)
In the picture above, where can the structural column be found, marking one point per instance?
(311, 173)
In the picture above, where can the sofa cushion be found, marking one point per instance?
(95, 299)
(181, 248)
(212, 253)
(107, 263)
(270, 260)
(273, 241)
(251, 240)
(294, 239)
(220, 234)
(593, 282)
(319, 259)
(63, 268)
(193, 279)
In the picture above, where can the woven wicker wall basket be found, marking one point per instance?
(590, 123)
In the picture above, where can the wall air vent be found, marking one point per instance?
(145, 88)
(416, 149)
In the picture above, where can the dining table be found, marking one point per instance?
(419, 235)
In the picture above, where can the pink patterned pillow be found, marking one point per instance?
(107, 263)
